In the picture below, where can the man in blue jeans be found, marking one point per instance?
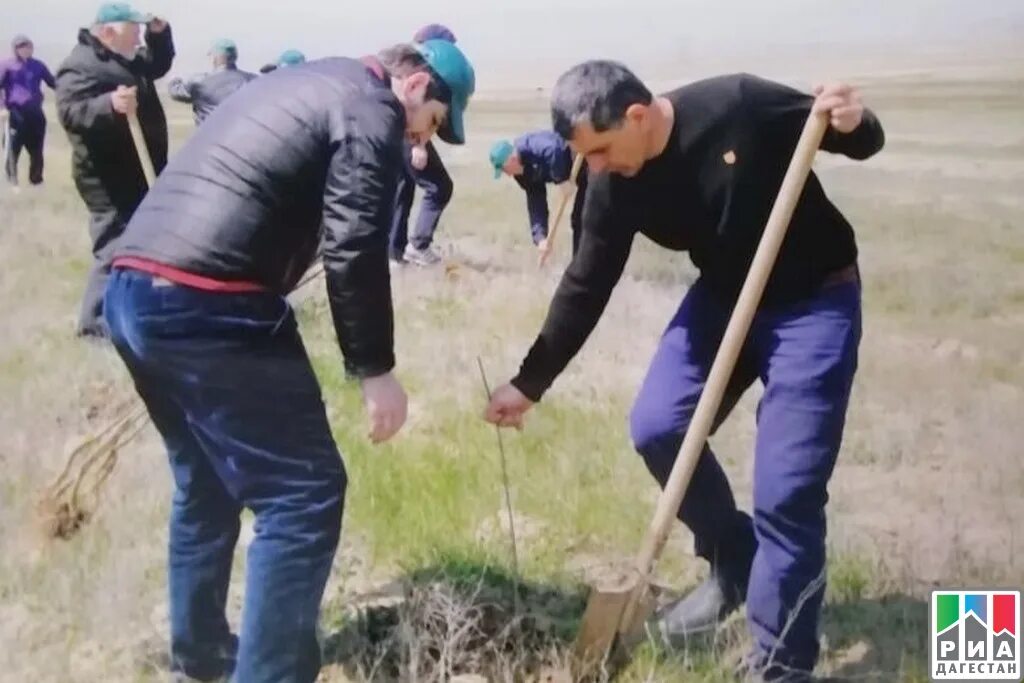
(424, 168)
(698, 169)
(196, 308)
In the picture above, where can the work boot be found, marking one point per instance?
(421, 257)
(749, 672)
(699, 613)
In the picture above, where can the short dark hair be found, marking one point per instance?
(404, 60)
(597, 92)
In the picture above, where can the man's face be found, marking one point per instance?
(621, 150)
(122, 37)
(422, 117)
(513, 165)
(24, 51)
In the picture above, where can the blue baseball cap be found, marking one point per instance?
(291, 58)
(224, 46)
(500, 153)
(115, 12)
(452, 67)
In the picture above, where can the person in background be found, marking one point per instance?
(290, 57)
(21, 81)
(533, 160)
(423, 167)
(206, 91)
(106, 78)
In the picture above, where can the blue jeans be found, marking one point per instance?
(806, 356)
(437, 189)
(227, 382)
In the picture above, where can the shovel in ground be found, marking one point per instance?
(549, 242)
(615, 615)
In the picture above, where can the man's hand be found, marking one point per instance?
(156, 25)
(386, 406)
(418, 157)
(842, 103)
(125, 100)
(507, 407)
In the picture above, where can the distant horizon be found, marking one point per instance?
(527, 46)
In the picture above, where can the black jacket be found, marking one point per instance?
(206, 91)
(305, 152)
(105, 165)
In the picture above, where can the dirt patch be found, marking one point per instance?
(436, 626)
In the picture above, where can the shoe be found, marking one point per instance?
(749, 672)
(422, 257)
(395, 263)
(699, 613)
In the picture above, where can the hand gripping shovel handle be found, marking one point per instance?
(141, 149)
(725, 360)
(573, 174)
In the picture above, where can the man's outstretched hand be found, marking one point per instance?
(507, 407)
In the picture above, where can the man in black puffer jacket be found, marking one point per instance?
(106, 77)
(205, 91)
(309, 155)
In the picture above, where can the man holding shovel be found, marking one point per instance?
(533, 160)
(107, 78)
(697, 169)
(303, 157)
(21, 81)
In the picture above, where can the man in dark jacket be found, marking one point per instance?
(21, 81)
(304, 156)
(205, 91)
(423, 167)
(106, 77)
(534, 160)
(698, 169)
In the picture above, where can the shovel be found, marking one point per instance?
(615, 616)
(549, 243)
(141, 149)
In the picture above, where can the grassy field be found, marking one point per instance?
(927, 492)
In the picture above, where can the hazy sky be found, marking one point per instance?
(528, 41)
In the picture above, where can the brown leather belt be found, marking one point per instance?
(850, 273)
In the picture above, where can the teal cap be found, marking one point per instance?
(114, 12)
(500, 152)
(291, 58)
(448, 62)
(224, 46)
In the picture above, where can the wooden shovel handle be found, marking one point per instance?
(141, 149)
(550, 242)
(725, 360)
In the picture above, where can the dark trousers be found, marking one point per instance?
(227, 382)
(806, 356)
(437, 192)
(105, 227)
(28, 132)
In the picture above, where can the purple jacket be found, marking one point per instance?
(434, 32)
(22, 83)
